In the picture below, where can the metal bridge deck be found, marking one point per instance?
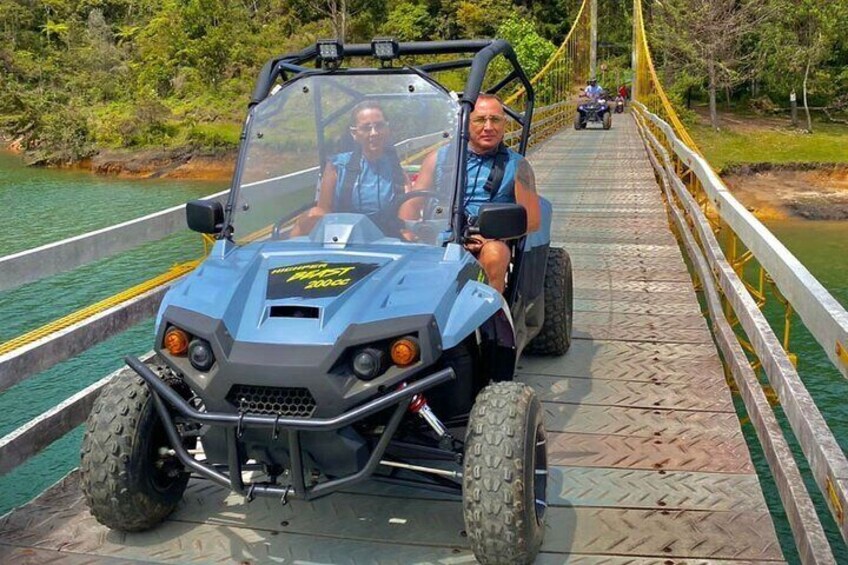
(649, 464)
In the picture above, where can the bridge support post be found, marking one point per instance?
(634, 59)
(593, 42)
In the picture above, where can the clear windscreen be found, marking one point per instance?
(349, 148)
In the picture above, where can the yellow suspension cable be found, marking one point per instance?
(648, 88)
(90, 311)
(554, 84)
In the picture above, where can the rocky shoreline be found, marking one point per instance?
(181, 163)
(774, 192)
(770, 191)
(191, 163)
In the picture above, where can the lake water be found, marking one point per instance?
(42, 206)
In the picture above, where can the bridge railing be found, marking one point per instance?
(713, 226)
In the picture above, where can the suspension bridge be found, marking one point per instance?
(648, 463)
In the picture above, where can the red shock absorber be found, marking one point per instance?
(419, 401)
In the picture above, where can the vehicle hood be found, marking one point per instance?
(283, 293)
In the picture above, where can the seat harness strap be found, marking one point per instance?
(496, 175)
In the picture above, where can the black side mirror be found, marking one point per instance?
(205, 216)
(502, 221)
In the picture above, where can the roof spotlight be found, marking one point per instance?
(330, 51)
(385, 49)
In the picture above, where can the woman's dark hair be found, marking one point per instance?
(361, 107)
(353, 168)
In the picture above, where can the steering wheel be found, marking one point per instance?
(428, 194)
(421, 229)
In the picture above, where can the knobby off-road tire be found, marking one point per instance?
(607, 120)
(505, 475)
(555, 336)
(578, 123)
(127, 484)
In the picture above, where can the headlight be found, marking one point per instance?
(175, 341)
(368, 363)
(200, 355)
(405, 351)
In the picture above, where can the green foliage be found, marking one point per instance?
(532, 50)
(768, 144)
(79, 75)
(214, 135)
(409, 22)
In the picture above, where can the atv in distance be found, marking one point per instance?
(330, 340)
(595, 110)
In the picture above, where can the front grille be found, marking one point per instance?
(272, 400)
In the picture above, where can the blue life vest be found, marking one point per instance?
(478, 169)
(370, 191)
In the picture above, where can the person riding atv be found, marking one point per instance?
(320, 350)
(596, 109)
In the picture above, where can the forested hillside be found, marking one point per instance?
(754, 51)
(82, 75)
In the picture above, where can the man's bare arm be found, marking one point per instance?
(411, 209)
(525, 194)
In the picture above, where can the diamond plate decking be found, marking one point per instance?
(648, 462)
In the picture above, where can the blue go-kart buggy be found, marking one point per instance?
(322, 351)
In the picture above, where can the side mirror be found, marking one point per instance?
(502, 221)
(205, 216)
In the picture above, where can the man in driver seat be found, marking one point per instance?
(488, 159)
(593, 90)
(366, 180)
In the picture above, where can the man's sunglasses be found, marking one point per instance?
(481, 120)
(378, 127)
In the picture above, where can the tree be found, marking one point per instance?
(408, 22)
(707, 38)
(802, 36)
(532, 50)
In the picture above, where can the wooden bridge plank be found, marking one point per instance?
(638, 422)
(616, 360)
(657, 395)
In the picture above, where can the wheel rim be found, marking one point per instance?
(540, 474)
(164, 470)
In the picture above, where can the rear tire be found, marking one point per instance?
(505, 475)
(607, 120)
(555, 336)
(128, 485)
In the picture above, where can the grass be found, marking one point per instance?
(750, 139)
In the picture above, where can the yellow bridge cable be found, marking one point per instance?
(643, 57)
(553, 59)
(80, 315)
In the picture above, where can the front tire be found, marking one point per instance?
(578, 123)
(128, 482)
(607, 120)
(555, 335)
(505, 475)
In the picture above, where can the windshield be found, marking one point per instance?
(347, 150)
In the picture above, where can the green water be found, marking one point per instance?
(43, 206)
(823, 248)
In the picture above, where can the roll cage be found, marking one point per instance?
(289, 67)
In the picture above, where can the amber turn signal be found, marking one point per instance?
(405, 351)
(176, 341)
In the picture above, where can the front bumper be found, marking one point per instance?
(166, 399)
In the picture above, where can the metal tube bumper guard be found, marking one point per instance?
(232, 479)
